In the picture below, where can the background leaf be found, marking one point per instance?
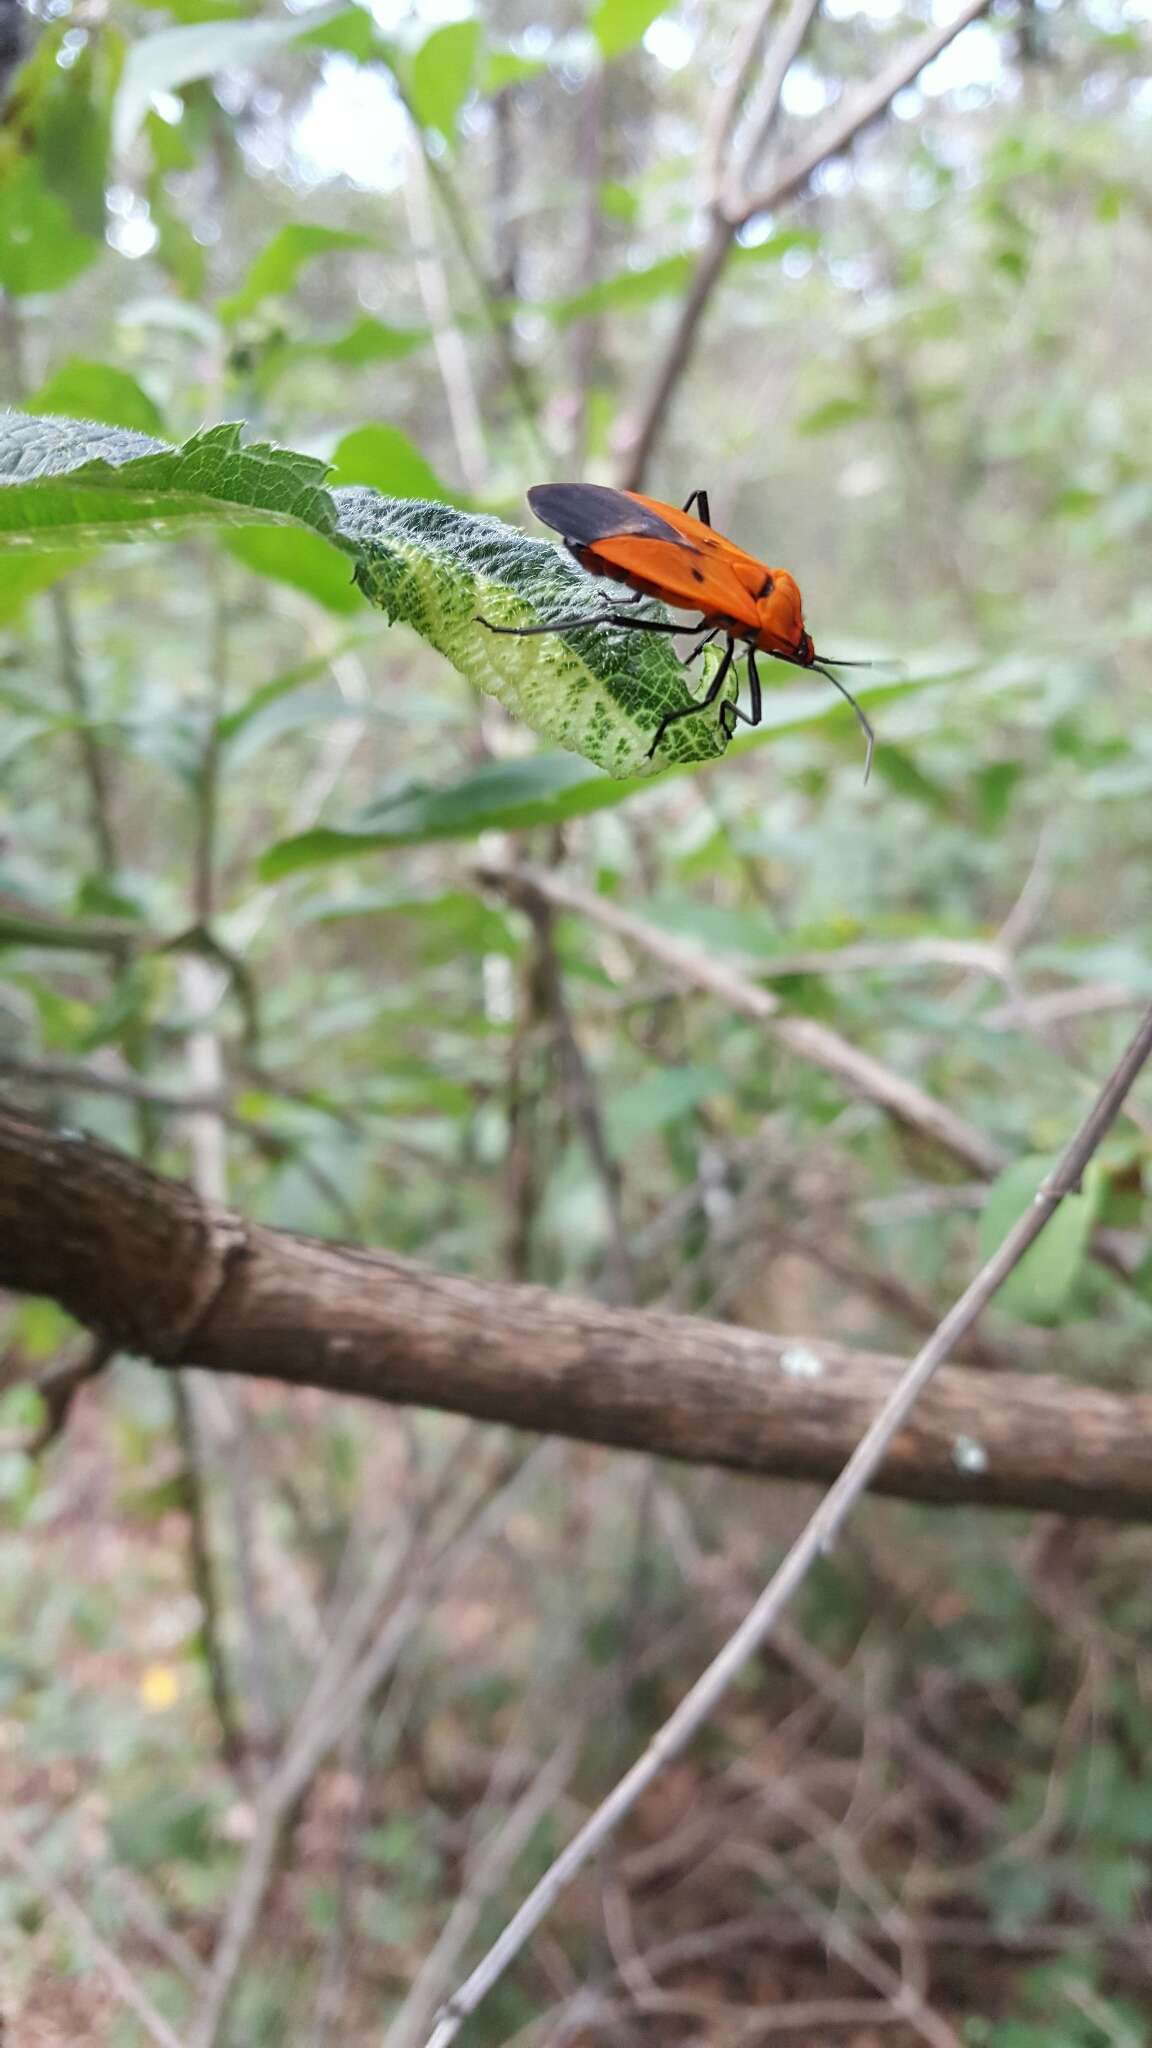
(97, 391)
(618, 25)
(442, 75)
(281, 261)
(1040, 1288)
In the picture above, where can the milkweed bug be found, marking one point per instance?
(677, 556)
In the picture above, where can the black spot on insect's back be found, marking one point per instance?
(767, 587)
(697, 575)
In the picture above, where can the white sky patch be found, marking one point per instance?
(393, 16)
(353, 127)
(796, 262)
(973, 59)
(875, 10)
(805, 91)
(135, 236)
(670, 44)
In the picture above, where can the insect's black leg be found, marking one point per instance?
(756, 695)
(730, 711)
(686, 710)
(700, 646)
(700, 499)
(595, 619)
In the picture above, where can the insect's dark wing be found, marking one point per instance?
(586, 513)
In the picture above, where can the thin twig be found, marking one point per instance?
(861, 111)
(203, 980)
(451, 353)
(725, 113)
(61, 1902)
(460, 227)
(816, 1539)
(584, 1103)
(491, 1870)
(93, 759)
(858, 1071)
(765, 110)
(841, 1938)
(347, 1683)
(586, 335)
(220, 1430)
(73, 682)
(1060, 1006)
(58, 1388)
(202, 1572)
(792, 178)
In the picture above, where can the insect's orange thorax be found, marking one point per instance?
(780, 620)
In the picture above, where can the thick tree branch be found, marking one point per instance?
(148, 1267)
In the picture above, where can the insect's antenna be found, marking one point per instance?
(861, 720)
(838, 663)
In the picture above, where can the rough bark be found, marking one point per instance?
(150, 1268)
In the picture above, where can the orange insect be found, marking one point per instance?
(660, 552)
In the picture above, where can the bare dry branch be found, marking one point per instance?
(818, 1536)
(792, 178)
(145, 1264)
(61, 1902)
(822, 1047)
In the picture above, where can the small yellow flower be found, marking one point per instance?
(159, 1688)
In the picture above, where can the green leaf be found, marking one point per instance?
(545, 789)
(96, 391)
(162, 1827)
(442, 75)
(661, 1099)
(367, 341)
(69, 104)
(447, 923)
(835, 413)
(619, 202)
(234, 722)
(40, 249)
(300, 559)
(601, 692)
(65, 480)
(385, 458)
(503, 68)
(1039, 1289)
(173, 57)
(169, 144)
(1113, 1883)
(25, 576)
(293, 712)
(618, 25)
(352, 32)
(206, 10)
(903, 773)
(177, 251)
(507, 795)
(627, 289)
(280, 262)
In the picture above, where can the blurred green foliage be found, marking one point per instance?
(445, 258)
